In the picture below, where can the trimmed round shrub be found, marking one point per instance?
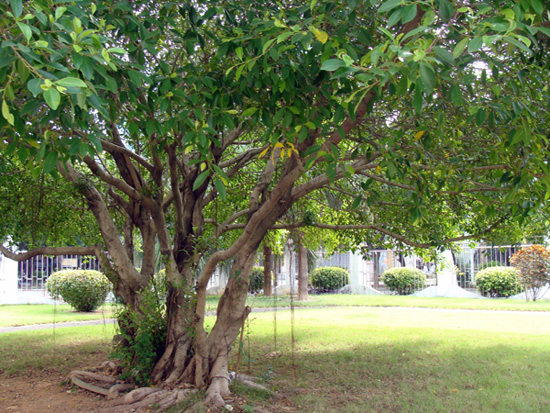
(256, 280)
(404, 281)
(498, 282)
(84, 290)
(329, 278)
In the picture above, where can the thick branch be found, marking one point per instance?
(111, 180)
(54, 251)
(111, 147)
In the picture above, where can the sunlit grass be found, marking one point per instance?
(391, 359)
(14, 315)
(17, 315)
(399, 301)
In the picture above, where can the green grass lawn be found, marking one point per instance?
(356, 359)
(15, 315)
(60, 349)
(392, 359)
(18, 315)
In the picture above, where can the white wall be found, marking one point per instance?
(10, 294)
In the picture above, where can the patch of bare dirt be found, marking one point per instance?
(45, 392)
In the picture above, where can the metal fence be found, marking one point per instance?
(472, 260)
(33, 274)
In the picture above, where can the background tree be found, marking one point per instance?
(197, 125)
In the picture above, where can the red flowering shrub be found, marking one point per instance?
(533, 265)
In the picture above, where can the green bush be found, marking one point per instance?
(329, 278)
(498, 282)
(256, 280)
(141, 339)
(404, 281)
(84, 290)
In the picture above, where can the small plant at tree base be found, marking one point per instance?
(533, 265)
(256, 280)
(328, 279)
(84, 290)
(142, 337)
(404, 281)
(498, 282)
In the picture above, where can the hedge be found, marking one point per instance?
(405, 280)
(84, 290)
(498, 282)
(329, 278)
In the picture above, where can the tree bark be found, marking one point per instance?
(302, 269)
(268, 274)
(376, 270)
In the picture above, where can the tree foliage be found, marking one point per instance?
(198, 125)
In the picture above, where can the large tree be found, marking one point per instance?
(184, 123)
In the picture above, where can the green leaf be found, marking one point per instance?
(444, 56)
(6, 113)
(26, 30)
(418, 100)
(356, 202)
(50, 162)
(249, 112)
(427, 75)
(16, 7)
(201, 178)
(389, 5)
(117, 50)
(459, 48)
(409, 13)
(220, 187)
(475, 44)
(456, 95)
(52, 98)
(480, 117)
(70, 82)
(519, 44)
(445, 10)
(331, 65)
(34, 86)
(267, 44)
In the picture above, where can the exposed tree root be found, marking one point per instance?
(251, 382)
(140, 398)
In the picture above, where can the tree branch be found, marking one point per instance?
(111, 147)
(111, 180)
(54, 251)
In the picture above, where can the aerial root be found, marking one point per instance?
(136, 399)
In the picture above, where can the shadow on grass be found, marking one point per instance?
(421, 370)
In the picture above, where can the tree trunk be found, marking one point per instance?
(268, 274)
(302, 269)
(376, 270)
